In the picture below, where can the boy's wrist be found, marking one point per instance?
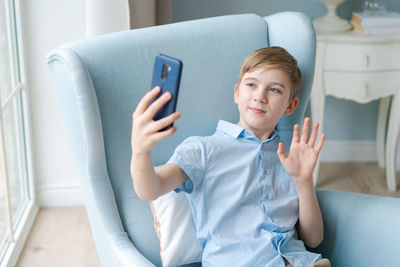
(144, 153)
(303, 182)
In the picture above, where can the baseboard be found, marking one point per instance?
(344, 151)
(59, 194)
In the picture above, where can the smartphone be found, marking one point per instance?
(167, 75)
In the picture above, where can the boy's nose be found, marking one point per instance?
(260, 98)
(260, 95)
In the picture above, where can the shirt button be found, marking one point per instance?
(267, 196)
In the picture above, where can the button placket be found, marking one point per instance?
(266, 175)
(268, 184)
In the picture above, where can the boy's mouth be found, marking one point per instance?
(257, 110)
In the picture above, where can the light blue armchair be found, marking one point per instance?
(100, 81)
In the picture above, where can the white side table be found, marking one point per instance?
(361, 68)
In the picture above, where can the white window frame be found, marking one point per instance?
(18, 227)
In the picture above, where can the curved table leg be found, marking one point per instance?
(391, 142)
(381, 129)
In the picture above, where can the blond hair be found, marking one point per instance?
(273, 57)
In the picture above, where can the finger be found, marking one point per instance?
(320, 143)
(296, 134)
(158, 104)
(314, 133)
(147, 98)
(281, 151)
(164, 122)
(164, 134)
(306, 129)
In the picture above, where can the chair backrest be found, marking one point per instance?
(118, 69)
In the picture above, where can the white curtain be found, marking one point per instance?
(106, 16)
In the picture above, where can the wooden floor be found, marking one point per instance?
(61, 236)
(361, 177)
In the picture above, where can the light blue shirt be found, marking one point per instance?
(243, 202)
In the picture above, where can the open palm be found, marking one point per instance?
(303, 154)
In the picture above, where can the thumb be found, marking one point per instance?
(281, 151)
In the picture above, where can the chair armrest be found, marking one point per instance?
(360, 230)
(125, 254)
(84, 130)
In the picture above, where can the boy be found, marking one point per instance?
(245, 193)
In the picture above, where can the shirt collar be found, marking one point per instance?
(236, 131)
(231, 129)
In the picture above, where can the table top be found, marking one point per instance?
(354, 36)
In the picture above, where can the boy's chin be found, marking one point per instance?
(257, 124)
(260, 128)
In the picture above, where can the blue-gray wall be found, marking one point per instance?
(344, 120)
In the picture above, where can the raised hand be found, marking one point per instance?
(145, 131)
(303, 154)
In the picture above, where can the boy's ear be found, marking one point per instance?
(236, 95)
(292, 106)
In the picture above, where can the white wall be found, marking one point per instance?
(48, 24)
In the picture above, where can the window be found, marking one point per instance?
(17, 200)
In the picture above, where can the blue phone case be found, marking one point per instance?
(167, 75)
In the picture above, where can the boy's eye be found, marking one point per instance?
(274, 90)
(250, 84)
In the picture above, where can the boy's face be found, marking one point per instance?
(263, 97)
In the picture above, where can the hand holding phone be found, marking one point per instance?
(167, 75)
(148, 123)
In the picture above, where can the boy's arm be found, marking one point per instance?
(300, 164)
(149, 183)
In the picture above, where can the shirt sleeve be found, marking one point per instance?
(190, 156)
